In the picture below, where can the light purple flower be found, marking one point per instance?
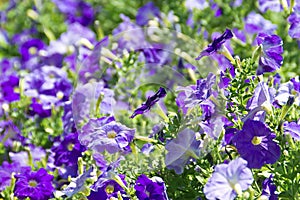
(293, 129)
(255, 23)
(181, 150)
(6, 169)
(271, 57)
(294, 20)
(228, 180)
(102, 134)
(273, 5)
(255, 144)
(196, 4)
(146, 12)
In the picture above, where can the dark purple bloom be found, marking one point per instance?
(293, 129)
(255, 144)
(6, 169)
(255, 23)
(8, 88)
(181, 149)
(150, 189)
(146, 12)
(103, 134)
(228, 180)
(271, 58)
(35, 185)
(161, 93)
(31, 48)
(294, 20)
(216, 45)
(269, 189)
(68, 150)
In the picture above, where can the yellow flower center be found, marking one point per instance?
(256, 140)
(60, 95)
(109, 189)
(33, 183)
(111, 134)
(32, 50)
(70, 147)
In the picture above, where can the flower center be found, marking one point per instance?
(109, 189)
(236, 187)
(32, 183)
(256, 140)
(111, 134)
(70, 147)
(32, 50)
(60, 95)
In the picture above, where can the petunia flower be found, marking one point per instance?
(31, 48)
(151, 101)
(8, 88)
(269, 189)
(34, 185)
(146, 12)
(228, 180)
(271, 53)
(294, 20)
(255, 144)
(273, 5)
(6, 169)
(150, 189)
(181, 149)
(293, 129)
(216, 45)
(103, 134)
(255, 23)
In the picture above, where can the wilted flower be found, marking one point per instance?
(181, 150)
(271, 58)
(228, 180)
(161, 93)
(255, 144)
(150, 189)
(216, 45)
(35, 185)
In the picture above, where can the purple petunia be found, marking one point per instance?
(146, 12)
(106, 134)
(150, 189)
(216, 45)
(255, 144)
(294, 20)
(293, 129)
(273, 5)
(181, 150)
(228, 180)
(269, 189)
(9, 87)
(272, 48)
(151, 101)
(255, 23)
(6, 169)
(31, 48)
(35, 185)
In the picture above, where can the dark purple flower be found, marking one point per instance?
(269, 189)
(9, 88)
(6, 169)
(293, 129)
(147, 12)
(150, 189)
(103, 134)
(216, 45)
(273, 5)
(35, 185)
(228, 180)
(151, 101)
(255, 144)
(255, 23)
(271, 58)
(68, 150)
(294, 20)
(181, 149)
(31, 48)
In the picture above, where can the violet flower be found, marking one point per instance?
(31, 48)
(294, 20)
(100, 135)
(255, 23)
(150, 189)
(151, 101)
(269, 189)
(228, 180)
(216, 45)
(6, 169)
(146, 12)
(293, 129)
(273, 5)
(196, 4)
(255, 144)
(181, 149)
(271, 56)
(34, 185)
(8, 88)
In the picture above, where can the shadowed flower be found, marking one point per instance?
(293, 129)
(146, 12)
(228, 180)
(255, 144)
(35, 185)
(150, 102)
(181, 150)
(271, 58)
(269, 189)
(150, 189)
(103, 134)
(216, 45)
